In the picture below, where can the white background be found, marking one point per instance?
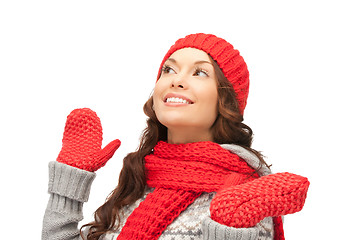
(59, 55)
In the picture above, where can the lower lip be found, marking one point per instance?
(171, 104)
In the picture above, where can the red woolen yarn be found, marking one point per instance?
(181, 172)
(82, 141)
(245, 205)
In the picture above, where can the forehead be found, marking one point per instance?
(190, 54)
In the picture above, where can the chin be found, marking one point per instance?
(179, 123)
(173, 123)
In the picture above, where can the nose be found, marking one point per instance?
(179, 82)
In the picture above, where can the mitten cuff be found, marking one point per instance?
(70, 182)
(216, 231)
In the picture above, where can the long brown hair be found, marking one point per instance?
(228, 128)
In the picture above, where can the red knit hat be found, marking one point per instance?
(228, 59)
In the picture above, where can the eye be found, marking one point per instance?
(200, 72)
(167, 69)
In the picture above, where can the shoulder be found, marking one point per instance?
(251, 159)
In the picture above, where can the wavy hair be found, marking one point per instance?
(228, 128)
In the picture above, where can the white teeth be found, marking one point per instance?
(177, 100)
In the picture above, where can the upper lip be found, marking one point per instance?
(175, 95)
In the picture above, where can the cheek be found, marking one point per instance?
(157, 92)
(158, 95)
(209, 107)
(161, 85)
(212, 108)
(209, 97)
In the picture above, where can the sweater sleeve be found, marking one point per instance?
(213, 230)
(69, 188)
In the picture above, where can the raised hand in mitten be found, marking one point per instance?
(245, 205)
(82, 141)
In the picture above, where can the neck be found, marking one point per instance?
(182, 136)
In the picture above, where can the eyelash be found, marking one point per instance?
(166, 68)
(199, 70)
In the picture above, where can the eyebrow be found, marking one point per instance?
(197, 62)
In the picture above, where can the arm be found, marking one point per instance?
(69, 188)
(71, 176)
(213, 230)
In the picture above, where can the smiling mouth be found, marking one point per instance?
(177, 100)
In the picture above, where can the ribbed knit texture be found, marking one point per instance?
(179, 174)
(200, 166)
(69, 182)
(82, 141)
(69, 188)
(229, 60)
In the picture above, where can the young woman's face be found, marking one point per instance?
(185, 96)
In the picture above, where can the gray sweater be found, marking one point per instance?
(69, 188)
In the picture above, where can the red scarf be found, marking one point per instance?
(180, 173)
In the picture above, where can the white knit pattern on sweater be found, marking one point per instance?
(188, 225)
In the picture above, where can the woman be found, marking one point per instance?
(194, 175)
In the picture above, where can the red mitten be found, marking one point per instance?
(245, 205)
(82, 141)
